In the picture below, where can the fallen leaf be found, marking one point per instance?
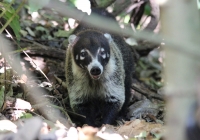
(21, 104)
(136, 127)
(6, 125)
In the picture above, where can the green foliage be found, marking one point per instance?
(26, 115)
(62, 33)
(8, 13)
(126, 19)
(147, 9)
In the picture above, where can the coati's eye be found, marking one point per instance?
(102, 53)
(83, 54)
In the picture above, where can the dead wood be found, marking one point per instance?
(147, 92)
(42, 50)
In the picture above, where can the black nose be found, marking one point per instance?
(95, 71)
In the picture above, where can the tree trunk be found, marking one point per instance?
(180, 23)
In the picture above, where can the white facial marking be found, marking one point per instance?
(89, 53)
(104, 56)
(82, 57)
(102, 49)
(77, 57)
(102, 52)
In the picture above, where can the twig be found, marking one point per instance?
(37, 68)
(60, 82)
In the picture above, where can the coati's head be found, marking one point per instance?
(91, 51)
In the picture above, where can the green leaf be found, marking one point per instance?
(14, 24)
(62, 33)
(26, 115)
(147, 10)
(126, 19)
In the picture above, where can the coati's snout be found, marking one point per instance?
(91, 51)
(95, 73)
(95, 69)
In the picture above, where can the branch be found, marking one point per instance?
(42, 50)
(146, 91)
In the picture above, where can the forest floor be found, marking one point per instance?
(36, 106)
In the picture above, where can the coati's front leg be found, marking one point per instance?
(88, 111)
(111, 111)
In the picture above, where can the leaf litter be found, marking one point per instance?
(17, 106)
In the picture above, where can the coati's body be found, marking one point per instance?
(99, 68)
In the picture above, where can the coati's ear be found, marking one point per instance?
(108, 36)
(72, 39)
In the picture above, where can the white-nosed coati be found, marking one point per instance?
(99, 69)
